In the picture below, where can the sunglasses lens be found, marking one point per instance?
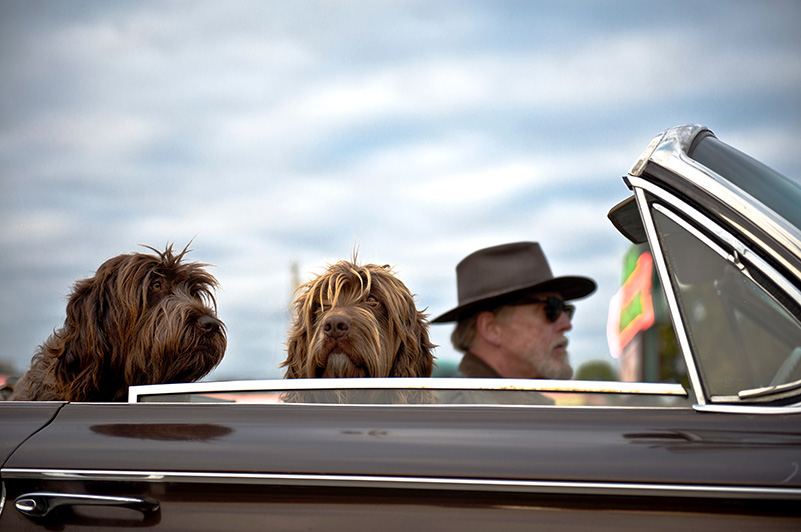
(552, 308)
(555, 306)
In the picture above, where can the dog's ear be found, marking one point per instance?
(425, 360)
(76, 349)
(298, 338)
(296, 347)
(414, 357)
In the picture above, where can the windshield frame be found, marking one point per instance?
(649, 196)
(666, 162)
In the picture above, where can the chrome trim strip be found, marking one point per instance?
(777, 391)
(642, 160)
(670, 294)
(676, 140)
(749, 409)
(434, 483)
(423, 383)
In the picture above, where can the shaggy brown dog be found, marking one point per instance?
(142, 319)
(357, 321)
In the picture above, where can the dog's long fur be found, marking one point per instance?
(357, 321)
(141, 319)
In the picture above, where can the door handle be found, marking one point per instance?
(41, 503)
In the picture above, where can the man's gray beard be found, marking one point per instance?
(551, 368)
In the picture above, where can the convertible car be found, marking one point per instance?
(722, 452)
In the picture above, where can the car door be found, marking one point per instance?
(346, 467)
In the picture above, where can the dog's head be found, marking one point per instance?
(357, 321)
(141, 319)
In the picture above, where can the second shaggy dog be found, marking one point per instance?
(357, 321)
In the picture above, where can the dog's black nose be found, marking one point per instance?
(336, 326)
(208, 323)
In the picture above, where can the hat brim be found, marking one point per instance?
(569, 288)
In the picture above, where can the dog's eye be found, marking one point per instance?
(373, 301)
(155, 286)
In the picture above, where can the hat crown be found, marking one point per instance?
(501, 269)
(493, 276)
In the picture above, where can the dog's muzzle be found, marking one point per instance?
(209, 324)
(336, 326)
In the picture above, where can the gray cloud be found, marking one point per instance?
(291, 133)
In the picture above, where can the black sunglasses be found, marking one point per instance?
(553, 307)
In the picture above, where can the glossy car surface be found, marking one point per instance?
(475, 454)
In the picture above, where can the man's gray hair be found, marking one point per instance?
(465, 332)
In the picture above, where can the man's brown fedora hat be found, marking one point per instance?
(493, 276)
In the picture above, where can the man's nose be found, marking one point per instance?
(563, 322)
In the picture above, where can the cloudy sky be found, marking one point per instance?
(289, 133)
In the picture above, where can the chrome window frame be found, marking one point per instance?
(640, 186)
(741, 256)
(412, 383)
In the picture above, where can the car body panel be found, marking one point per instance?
(19, 420)
(528, 444)
(448, 462)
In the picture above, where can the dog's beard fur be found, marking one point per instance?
(357, 321)
(142, 319)
(364, 351)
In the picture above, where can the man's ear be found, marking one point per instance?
(487, 328)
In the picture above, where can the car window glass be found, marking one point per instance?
(741, 337)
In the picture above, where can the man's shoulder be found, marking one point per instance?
(472, 366)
